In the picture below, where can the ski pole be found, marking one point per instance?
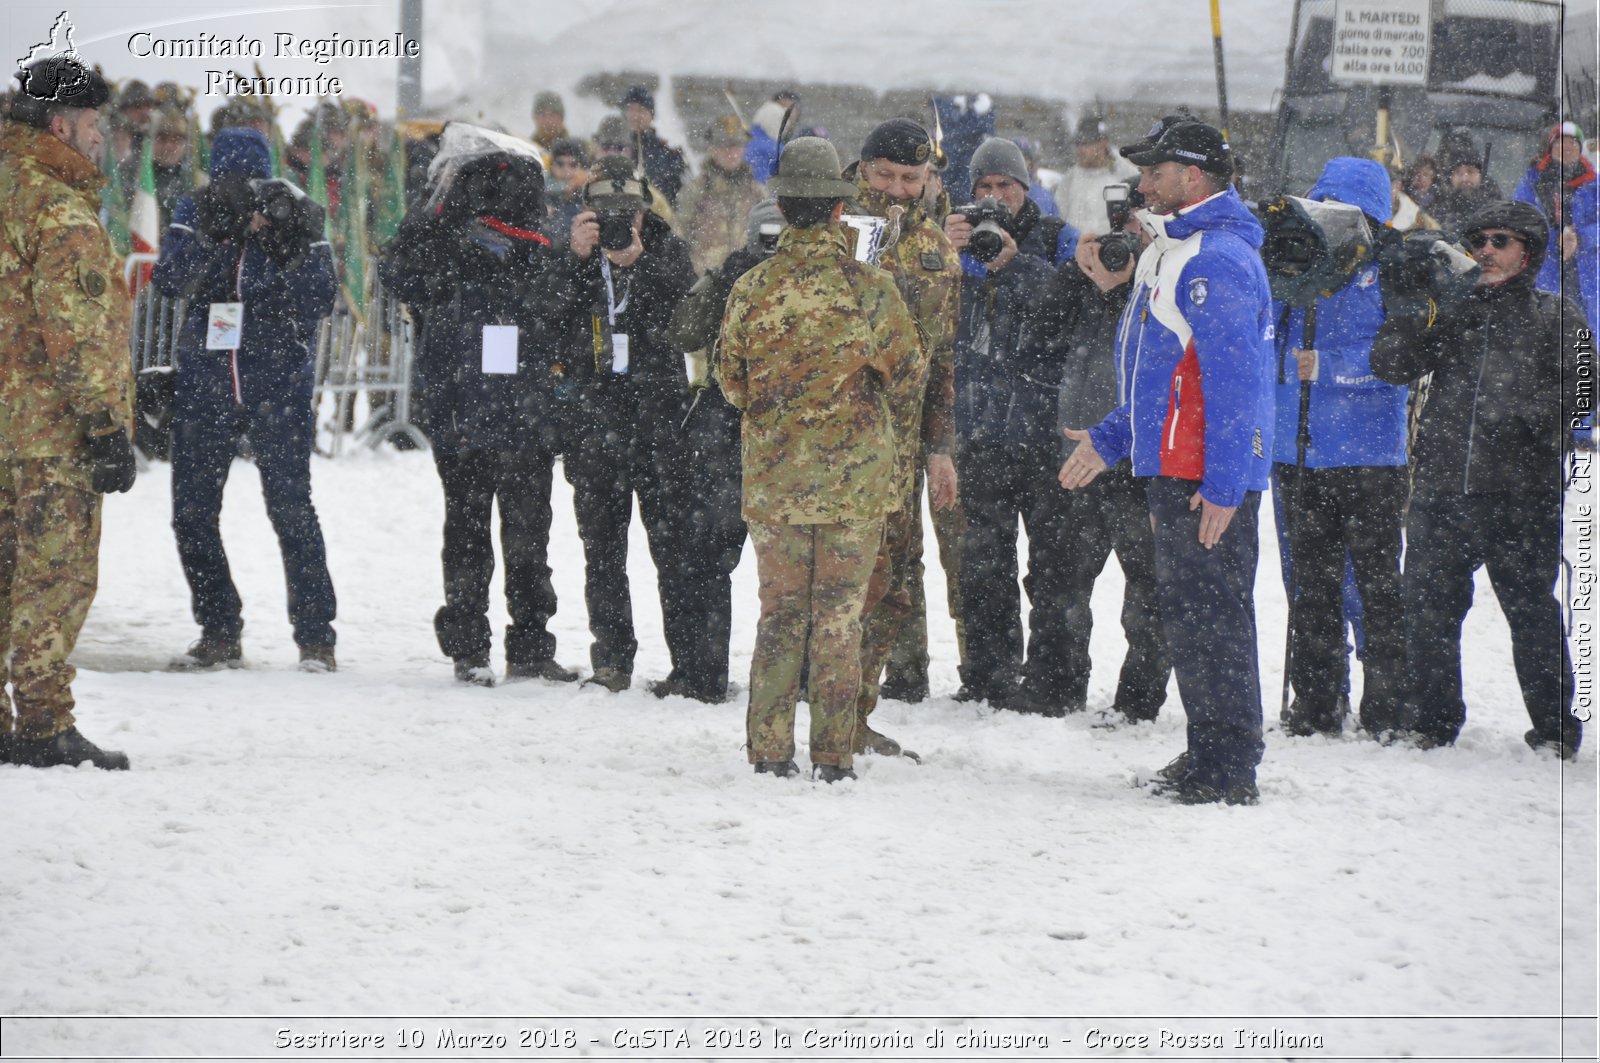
(1302, 443)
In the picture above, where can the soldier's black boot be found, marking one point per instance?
(904, 686)
(783, 769)
(69, 748)
(831, 773)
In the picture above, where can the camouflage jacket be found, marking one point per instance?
(927, 271)
(65, 367)
(818, 350)
(713, 212)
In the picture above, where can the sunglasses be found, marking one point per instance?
(1499, 240)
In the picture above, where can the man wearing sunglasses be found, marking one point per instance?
(1488, 488)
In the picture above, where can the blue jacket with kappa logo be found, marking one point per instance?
(1194, 355)
(1355, 418)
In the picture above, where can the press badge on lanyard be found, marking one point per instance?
(619, 340)
(224, 326)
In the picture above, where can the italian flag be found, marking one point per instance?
(144, 217)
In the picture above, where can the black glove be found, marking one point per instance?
(114, 464)
(223, 208)
(287, 238)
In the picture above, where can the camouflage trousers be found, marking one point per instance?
(49, 570)
(813, 577)
(908, 661)
(890, 597)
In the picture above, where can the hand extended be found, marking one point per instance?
(1214, 519)
(1083, 464)
(114, 463)
(941, 481)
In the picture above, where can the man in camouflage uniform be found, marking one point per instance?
(892, 174)
(66, 386)
(713, 208)
(818, 350)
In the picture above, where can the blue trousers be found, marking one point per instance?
(1207, 600)
(205, 442)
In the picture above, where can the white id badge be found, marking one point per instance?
(619, 352)
(224, 326)
(500, 349)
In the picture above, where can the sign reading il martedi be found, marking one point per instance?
(1381, 42)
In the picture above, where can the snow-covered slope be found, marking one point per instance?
(383, 841)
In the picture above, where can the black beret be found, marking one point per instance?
(900, 141)
(61, 80)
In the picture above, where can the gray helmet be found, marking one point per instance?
(809, 169)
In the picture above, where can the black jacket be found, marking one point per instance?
(1505, 386)
(1005, 379)
(656, 382)
(1085, 342)
(460, 276)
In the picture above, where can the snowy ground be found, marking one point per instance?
(384, 842)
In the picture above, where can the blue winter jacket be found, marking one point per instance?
(283, 306)
(1355, 418)
(1585, 221)
(1194, 355)
(761, 152)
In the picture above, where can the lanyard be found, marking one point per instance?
(613, 307)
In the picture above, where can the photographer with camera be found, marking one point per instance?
(475, 270)
(1110, 514)
(621, 277)
(1195, 418)
(1511, 367)
(1005, 439)
(713, 526)
(248, 254)
(1342, 496)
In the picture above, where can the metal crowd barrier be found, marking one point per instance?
(367, 354)
(356, 355)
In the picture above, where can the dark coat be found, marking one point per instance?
(283, 301)
(653, 285)
(1006, 378)
(1505, 386)
(461, 276)
(1085, 343)
(664, 165)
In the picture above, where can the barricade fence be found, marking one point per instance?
(363, 366)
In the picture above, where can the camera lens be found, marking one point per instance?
(985, 242)
(1115, 252)
(616, 231)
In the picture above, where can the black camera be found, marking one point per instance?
(988, 217)
(1117, 248)
(616, 229)
(294, 220)
(1417, 266)
(277, 201)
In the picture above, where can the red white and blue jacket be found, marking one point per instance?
(1194, 355)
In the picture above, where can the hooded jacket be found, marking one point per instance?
(1355, 418)
(283, 303)
(463, 272)
(1580, 205)
(1506, 376)
(1194, 355)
